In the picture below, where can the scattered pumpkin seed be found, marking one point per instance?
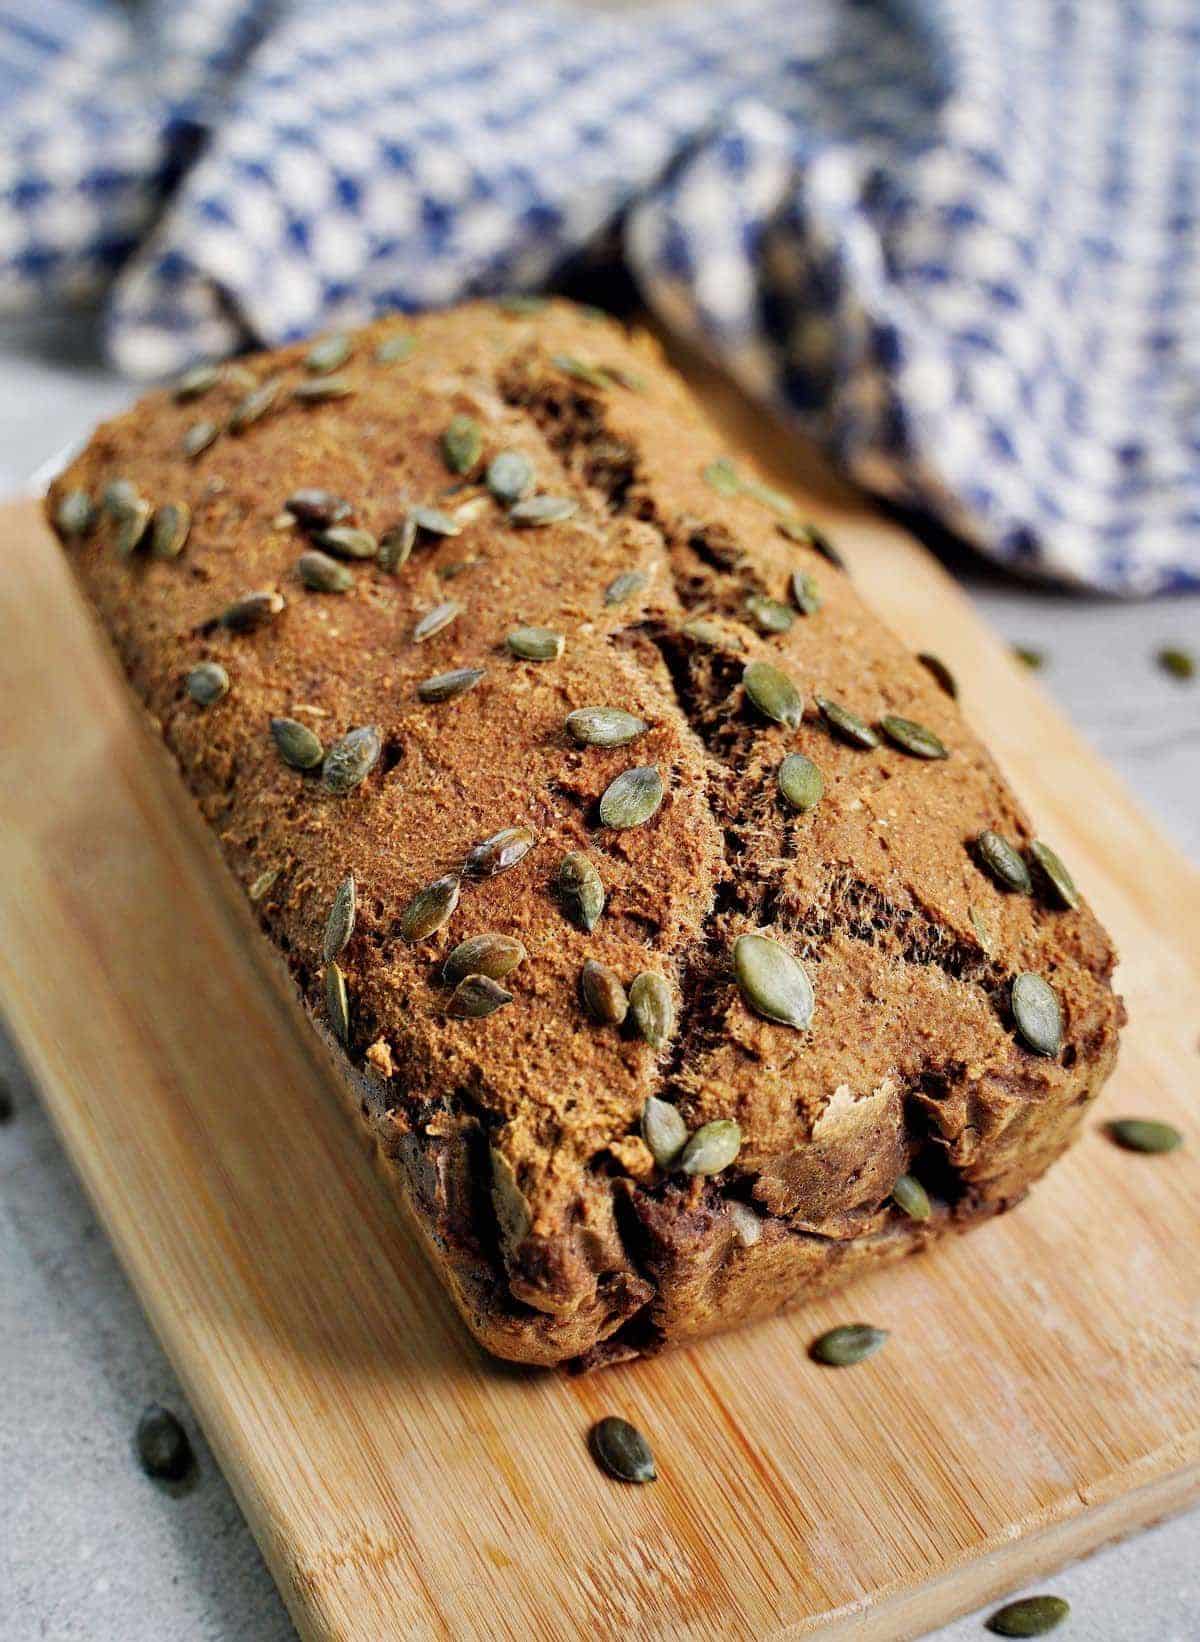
(769, 615)
(805, 592)
(131, 528)
(722, 476)
(434, 521)
(652, 1005)
(849, 1344)
(348, 542)
(983, 933)
(999, 857)
(462, 444)
(169, 530)
(1037, 1012)
(321, 574)
(476, 996)
(773, 693)
(1180, 664)
(436, 620)
(1055, 873)
(800, 782)
(1144, 1134)
(339, 926)
(593, 375)
(498, 853)
(774, 499)
(193, 384)
(912, 737)
(664, 1131)
(350, 761)
(337, 1004)
(263, 884)
(581, 889)
(517, 302)
(251, 611)
(622, 1450)
(532, 511)
(329, 354)
(624, 586)
(712, 1148)
(163, 1448)
(492, 955)
(535, 643)
(632, 798)
(773, 982)
(1035, 660)
(711, 634)
(254, 406)
(298, 745)
(604, 726)
(845, 724)
(75, 514)
(323, 388)
(509, 475)
(396, 544)
(1029, 1616)
(810, 535)
(207, 683)
(910, 1196)
(446, 686)
(604, 998)
(118, 498)
(937, 667)
(198, 438)
(430, 908)
(393, 349)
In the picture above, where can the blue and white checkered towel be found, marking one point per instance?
(956, 242)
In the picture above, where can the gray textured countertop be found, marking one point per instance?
(91, 1548)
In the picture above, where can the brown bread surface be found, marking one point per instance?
(515, 1137)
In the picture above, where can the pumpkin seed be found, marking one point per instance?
(396, 544)
(912, 737)
(430, 908)
(518, 303)
(849, 1344)
(1144, 1134)
(664, 1131)
(1035, 660)
(711, 634)
(198, 438)
(983, 933)
(769, 615)
(75, 514)
(773, 982)
(321, 574)
(535, 643)
(163, 1448)
(393, 349)
(846, 724)
(348, 542)
(254, 406)
(773, 693)
(999, 857)
(722, 476)
(622, 1450)
(604, 726)
(774, 499)
(624, 586)
(445, 686)
(118, 498)
(329, 354)
(169, 530)
(810, 535)
(339, 926)
(196, 382)
(593, 375)
(1055, 873)
(805, 593)
(1029, 1616)
(581, 889)
(632, 798)
(652, 1004)
(1180, 664)
(263, 884)
(542, 510)
(434, 522)
(351, 760)
(337, 1004)
(462, 444)
(476, 996)
(604, 998)
(436, 620)
(800, 782)
(492, 955)
(298, 745)
(747, 1227)
(712, 1148)
(909, 1195)
(498, 853)
(207, 683)
(251, 611)
(323, 388)
(131, 529)
(509, 475)
(1037, 1012)
(937, 667)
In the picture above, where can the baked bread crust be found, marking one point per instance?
(516, 1137)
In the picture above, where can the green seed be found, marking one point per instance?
(633, 798)
(652, 1005)
(712, 1148)
(329, 354)
(75, 514)
(476, 996)
(773, 982)
(131, 529)
(845, 724)
(251, 611)
(622, 1450)
(445, 686)
(800, 782)
(1037, 1013)
(581, 889)
(773, 693)
(339, 926)
(1055, 873)
(1180, 664)
(604, 726)
(492, 955)
(937, 667)
(910, 1196)
(768, 615)
(711, 634)
(1035, 660)
(722, 476)
(196, 382)
(498, 853)
(351, 760)
(430, 908)
(297, 744)
(436, 620)
(169, 530)
(1029, 1616)
(207, 683)
(509, 475)
(998, 856)
(624, 586)
(434, 522)
(774, 499)
(664, 1131)
(518, 303)
(396, 544)
(322, 389)
(912, 737)
(462, 444)
(809, 535)
(1143, 1134)
(535, 643)
(393, 349)
(805, 593)
(532, 511)
(851, 1343)
(321, 574)
(198, 438)
(602, 994)
(254, 406)
(593, 375)
(348, 542)
(120, 496)
(163, 1448)
(337, 1004)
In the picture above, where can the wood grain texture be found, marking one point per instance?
(1041, 1389)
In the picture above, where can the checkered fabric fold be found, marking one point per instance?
(956, 243)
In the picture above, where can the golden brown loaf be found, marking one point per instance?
(508, 1096)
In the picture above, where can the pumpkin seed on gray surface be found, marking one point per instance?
(446, 686)
(632, 798)
(773, 982)
(912, 737)
(75, 514)
(462, 443)
(604, 998)
(169, 530)
(532, 511)
(652, 1005)
(712, 1148)
(1038, 1014)
(298, 745)
(163, 1448)
(622, 1450)
(910, 1196)
(434, 521)
(1029, 1616)
(207, 683)
(254, 406)
(337, 1004)
(1178, 663)
(809, 535)
(624, 586)
(251, 611)
(328, 354)
(492, 955)
(535, 643)
(436, 620)
(582, 890)
(321, 574)
(805, 592)
(800, 782)
(773, 693)
(664, 1131)
(1035, 660)
(1055, 874)
(845, 724)
(323, 388)
(509, 475)
(430, 908)
(132, 526)
(498, 853)
(999, 857)
(393, 349)
(194, 383)
(396, 544)
(476, 996)
(198, 438)
(769, 615)
(1144, 1134)
(604, 726)
(339, 925)
(937, 668)
(351, 759)
(849, 1344)
(348, 542)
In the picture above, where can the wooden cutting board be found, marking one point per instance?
(1041, 1389)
